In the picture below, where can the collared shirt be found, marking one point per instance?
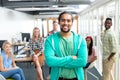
(109, 43)
(52, 32)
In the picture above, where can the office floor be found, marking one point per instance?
(29, 70)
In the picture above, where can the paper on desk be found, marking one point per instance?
(21, 56)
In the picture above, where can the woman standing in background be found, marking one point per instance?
(91, 51)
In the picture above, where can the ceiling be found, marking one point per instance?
(45, 7)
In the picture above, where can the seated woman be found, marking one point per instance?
(36, 50)
(91, 51)
(8, 68)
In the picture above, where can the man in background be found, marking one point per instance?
(109, 50)
(55, 26)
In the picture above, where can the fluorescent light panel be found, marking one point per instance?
(49, 8)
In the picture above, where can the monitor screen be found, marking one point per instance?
(25, 35)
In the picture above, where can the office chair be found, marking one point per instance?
(9, 79)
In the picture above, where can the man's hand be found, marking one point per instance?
(111, 55)
(74, 57)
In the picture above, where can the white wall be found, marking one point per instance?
(13, 22)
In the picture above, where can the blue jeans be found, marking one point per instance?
(17, 74)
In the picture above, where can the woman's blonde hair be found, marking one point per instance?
(6, 42)
(33, 32)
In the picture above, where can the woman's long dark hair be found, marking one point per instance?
(90, 46)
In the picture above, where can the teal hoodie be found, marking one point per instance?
(55, 60)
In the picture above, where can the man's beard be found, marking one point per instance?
(64, 31)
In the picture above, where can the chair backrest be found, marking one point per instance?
(1, 43)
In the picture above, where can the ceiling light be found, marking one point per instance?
(31, 9)
(49, 13)
(92, 0)
(49, 8)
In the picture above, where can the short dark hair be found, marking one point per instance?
(54, 22)
(65, 12)
(109, 19)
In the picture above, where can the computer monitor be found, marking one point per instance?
(25, 35)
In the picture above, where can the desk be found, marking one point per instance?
(18, 49)
(24, 59)
(18, 44)
(15, 47)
